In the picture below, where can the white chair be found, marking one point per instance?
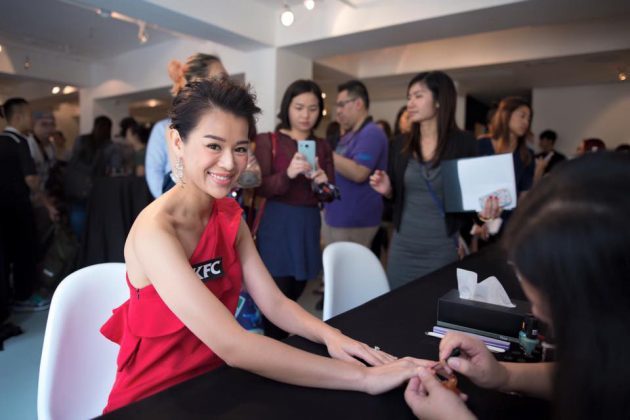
(78, 364)
(353, 276)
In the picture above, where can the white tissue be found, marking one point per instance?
(488, 291)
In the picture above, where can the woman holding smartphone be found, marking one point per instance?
(289, 234)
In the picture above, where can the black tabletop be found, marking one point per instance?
(396, 322)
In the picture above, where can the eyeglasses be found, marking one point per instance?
(341, 104)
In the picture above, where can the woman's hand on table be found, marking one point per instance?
(386, 377)
(344, 348)
(429, 399)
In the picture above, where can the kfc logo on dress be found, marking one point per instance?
(209, 270)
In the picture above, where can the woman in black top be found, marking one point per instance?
(425, 237)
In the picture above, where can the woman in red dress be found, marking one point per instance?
(186, 256)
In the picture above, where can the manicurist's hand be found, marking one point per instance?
(430, 400)
(476, 362)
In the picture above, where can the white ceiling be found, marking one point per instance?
(489, 83)
(80, 32)
(58, 26)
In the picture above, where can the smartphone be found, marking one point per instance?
(307, 148)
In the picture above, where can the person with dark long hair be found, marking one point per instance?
(186, 256)
(568, 241)
(402, 124)
(509, 130)
(87, 162)
(289, 234)
(425, 237)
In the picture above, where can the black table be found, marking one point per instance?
(396, 322)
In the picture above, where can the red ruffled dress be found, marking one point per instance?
(157, 350)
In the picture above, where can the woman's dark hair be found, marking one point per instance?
(124, 124)
(569, 238)
(204, 95)
(386, 128)
(140, 131)
(549, 135)
(397, 129)
(593, 145)
(97, 140)
(444, 93)
(195, 68)
(297, 88)
(625, 148)
(11, 107)
(500, 125)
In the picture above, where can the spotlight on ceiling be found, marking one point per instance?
(309, 4)
(68, 89)
(143, 37)
(56, 90)
(622, 76)
(104, 13)
(287, 17)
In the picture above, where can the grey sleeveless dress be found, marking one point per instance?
(422, 244)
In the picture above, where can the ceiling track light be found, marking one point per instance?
(104, 13)
(287, 17)
(143, 37)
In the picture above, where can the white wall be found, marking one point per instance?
(579, 112)
(387, 110)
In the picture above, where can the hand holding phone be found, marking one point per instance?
(307, 148)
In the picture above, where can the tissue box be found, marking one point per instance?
(482, 318)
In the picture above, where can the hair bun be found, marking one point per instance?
(177, 71)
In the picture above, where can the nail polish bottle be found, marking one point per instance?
(528, 336)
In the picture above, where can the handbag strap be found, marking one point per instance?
(436, 200)
(263, 202)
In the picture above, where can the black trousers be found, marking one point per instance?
(293, 290)
(18, 245)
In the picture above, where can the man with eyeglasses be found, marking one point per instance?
(363, 149)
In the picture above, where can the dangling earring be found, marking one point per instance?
(437, 104)
(179, 171)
